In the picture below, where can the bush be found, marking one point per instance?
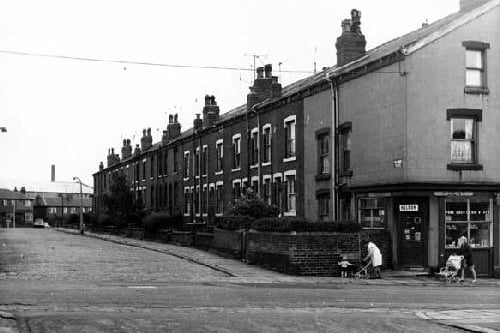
(156, 221)
(252, 205)
(233, 222)
(300, 225)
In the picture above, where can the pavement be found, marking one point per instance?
(240, 272)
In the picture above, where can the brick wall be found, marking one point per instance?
(311, 253)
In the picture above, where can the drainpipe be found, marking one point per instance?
(335, 108)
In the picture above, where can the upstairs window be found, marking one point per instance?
(186, 165)
(463, 138)
(323, 141)
(204, 161)
(254, 144)
(220, 156)
(197, 162)
(290, 138)
(475, 67)
(266, 142)
(345, 130)
(237, 151)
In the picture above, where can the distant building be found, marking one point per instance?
(15, 207)
(56, 201)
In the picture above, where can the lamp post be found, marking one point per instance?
(81, 205)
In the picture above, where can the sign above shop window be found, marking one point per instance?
(408, 208)
(453, 194)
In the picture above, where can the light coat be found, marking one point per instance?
(374, 255)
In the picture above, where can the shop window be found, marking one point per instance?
(471, 218)
(475, 67)
(371, 213)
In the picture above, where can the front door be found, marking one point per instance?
(412, 222)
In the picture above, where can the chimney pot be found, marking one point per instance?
(268, 69)
(260, 72)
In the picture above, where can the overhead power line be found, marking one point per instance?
(130, 62)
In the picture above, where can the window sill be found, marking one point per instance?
(346, 173)
(323, 177)
(235, 170)
(218, 214)
(289, 159)
(464, 166)
(254, 166)
(291, 213)
(266, 164)
(186, 179)
(476, 90)
(219, 173)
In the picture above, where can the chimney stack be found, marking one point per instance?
(351, 44)
(173, 128)
(198, 123)
(101, 166)
(126, 149)
(112, 157)
(265, 86)
(164, 138)
(137, 150)
(210, 111)
(147, 139)
(53, 173)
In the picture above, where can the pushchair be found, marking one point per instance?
(449, 273)
(362, 273)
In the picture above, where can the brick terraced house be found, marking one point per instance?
(403, 137)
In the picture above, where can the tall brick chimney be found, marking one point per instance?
(137, 150)
(147, 139)
(173, 127)
(470, 4)
(198, 123)
(126, 149)
(101, 166)
(264, 86)
(351, 44)
(210, 111)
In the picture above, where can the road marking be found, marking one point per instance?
(141, 287)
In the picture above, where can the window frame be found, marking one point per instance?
(476, 46)
(290, 142)
(476, 116)
(219, 147)
(322, 134)
(380, 207)
(267, 134)
(289, 195)
(236, 146)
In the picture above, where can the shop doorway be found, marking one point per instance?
(412, 217)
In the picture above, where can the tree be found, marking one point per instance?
(120, 202)
(252, 205)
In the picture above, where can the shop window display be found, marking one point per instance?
(471, 218)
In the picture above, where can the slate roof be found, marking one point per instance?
(56, 202)
(405, 44)
(11, 195)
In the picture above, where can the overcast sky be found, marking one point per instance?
(69, 112)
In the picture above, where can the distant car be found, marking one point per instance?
(39, 223)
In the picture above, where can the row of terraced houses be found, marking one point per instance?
(402, 137)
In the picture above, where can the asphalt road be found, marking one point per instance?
(57, 282)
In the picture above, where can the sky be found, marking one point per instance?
(70, 112)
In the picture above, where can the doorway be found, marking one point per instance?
(412, 217)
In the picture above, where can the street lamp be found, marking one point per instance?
(81, 204)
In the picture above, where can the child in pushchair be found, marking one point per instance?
(449, 273)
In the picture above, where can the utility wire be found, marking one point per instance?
(129, 62)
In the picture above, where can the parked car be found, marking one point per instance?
(39, 223)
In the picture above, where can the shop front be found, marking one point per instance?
(425, 226)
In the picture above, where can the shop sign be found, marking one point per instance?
(453, 194)
(408, 208)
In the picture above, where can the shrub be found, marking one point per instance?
(296, 224)
(252, 205)
(233, 222)
(157, 220)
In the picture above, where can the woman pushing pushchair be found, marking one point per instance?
(374, 258)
